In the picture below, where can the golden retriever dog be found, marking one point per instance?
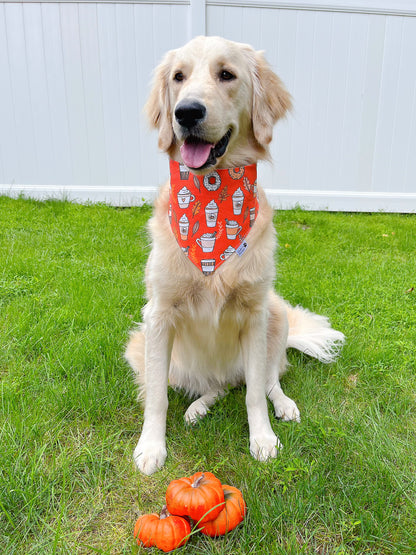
(214, 103)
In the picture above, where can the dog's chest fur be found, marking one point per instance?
(208, 333)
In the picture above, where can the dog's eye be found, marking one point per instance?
(179, 76)
(226, 75)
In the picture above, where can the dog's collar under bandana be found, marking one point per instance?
(211, 215)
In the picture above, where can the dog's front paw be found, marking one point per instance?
(264, 447)
(149, 456)
(287, 410)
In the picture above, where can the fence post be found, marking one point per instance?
(198, 18)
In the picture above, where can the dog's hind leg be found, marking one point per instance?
(199, 408)
(284, 407)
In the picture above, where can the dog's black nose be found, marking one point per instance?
(189, 113)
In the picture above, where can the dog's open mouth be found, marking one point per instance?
(198, 154)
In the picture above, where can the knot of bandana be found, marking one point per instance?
(211, 215)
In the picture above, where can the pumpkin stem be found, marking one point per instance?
(198, 481)
(164, 513)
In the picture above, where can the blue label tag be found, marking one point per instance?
(242, 248)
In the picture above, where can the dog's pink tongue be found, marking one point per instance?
(195, 155)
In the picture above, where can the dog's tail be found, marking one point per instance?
(313, 335)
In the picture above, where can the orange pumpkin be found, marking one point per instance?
(200, 497)
(165, 531)
(231, 515)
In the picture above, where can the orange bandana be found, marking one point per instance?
(211, 215)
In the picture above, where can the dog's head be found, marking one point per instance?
(215, 103)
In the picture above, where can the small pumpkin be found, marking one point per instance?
(231, 515)
(200, 497)
(165, 531)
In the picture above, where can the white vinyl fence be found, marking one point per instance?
(74, 76)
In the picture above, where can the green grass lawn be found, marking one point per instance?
(71, 289)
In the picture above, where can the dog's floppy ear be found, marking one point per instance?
(271, 100)
(158, 106)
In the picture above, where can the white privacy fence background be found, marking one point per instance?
(74, 77)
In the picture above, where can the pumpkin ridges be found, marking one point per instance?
(209, 514)
(143, 528)
(165, 531)
(179, 532)
(195, 496)
(204, 514)
(216, 506)
(232, 514)
(171, 493)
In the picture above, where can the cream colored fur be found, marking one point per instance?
(205, 333)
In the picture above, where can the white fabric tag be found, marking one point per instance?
(242, 248)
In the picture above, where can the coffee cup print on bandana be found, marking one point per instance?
(206, 242)
(185, 197)
(227, 253)
(232, 229)
(183, 172)
(212, 181)
(211, 213)
(238, 201)
(208, 266)
(184, 227)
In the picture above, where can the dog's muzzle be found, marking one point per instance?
(197, 152)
